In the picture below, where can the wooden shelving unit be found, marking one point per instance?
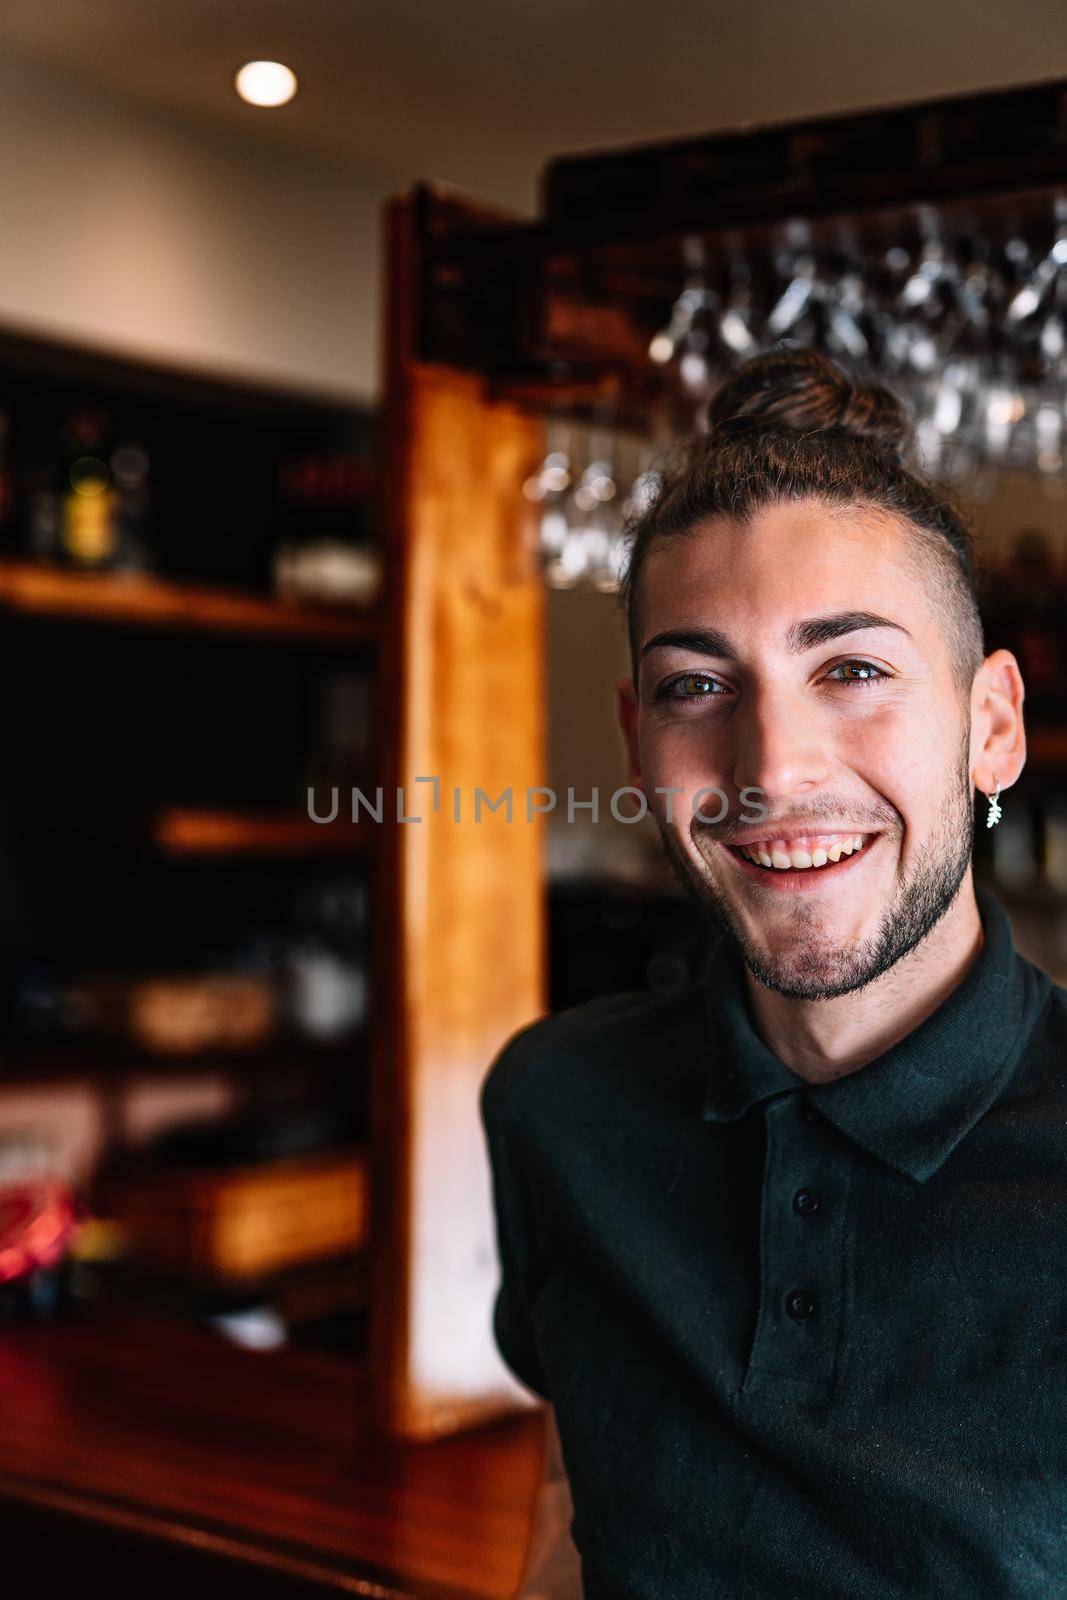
(157, 755)
(136, 601)
(163, 722)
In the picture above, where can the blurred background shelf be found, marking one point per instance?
(133, 600)
(240, 1221)
(189, 996)
(189, 832)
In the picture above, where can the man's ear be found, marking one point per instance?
(627, 703)
(998, 738)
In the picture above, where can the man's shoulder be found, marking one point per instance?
(556, 1055)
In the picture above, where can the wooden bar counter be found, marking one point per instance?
(142, 1455)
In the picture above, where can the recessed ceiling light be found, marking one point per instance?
(265, 83)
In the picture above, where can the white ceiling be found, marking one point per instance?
(481, 92)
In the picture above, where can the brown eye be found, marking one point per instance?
(858, 672)
(690, 686)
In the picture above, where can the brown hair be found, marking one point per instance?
(791, 425)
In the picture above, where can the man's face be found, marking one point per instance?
(802, 655)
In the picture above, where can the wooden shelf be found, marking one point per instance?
(133, 600)
(182, 832)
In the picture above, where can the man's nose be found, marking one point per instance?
(781, 747)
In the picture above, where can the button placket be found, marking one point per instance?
(803, 1208)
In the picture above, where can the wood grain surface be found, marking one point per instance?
(181, 1460)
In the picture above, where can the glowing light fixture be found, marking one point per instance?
(266, 83)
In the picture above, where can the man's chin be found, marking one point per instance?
(796, 945)
(786, 944)
(813, 971)
(798, 949)
(794, 951)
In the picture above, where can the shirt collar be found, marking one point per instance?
(912, 1105)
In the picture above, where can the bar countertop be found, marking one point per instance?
(152, 1453)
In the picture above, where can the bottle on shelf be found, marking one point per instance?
(326, 963)
(341, 733)
(43, 515)
(41, 1216)
(89, 523)
(324, 554)
(129, 465)
(98, 520)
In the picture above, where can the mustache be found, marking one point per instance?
(865, 817)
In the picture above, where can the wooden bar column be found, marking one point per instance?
(463, 694)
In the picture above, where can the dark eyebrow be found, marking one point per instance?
(702, 641)
(801, 636)
(820, 630)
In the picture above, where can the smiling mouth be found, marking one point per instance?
(809, 853)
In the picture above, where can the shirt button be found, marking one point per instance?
(809, 1113)
(799, 1304)
(806, 1202)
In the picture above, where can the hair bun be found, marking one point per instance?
(799, 388)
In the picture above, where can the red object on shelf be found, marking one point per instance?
(38, 1218)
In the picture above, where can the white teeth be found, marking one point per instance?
(797, 860)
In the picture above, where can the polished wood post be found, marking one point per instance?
(463, 961)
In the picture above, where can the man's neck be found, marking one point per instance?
(824, 1039)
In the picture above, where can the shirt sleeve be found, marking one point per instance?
(513, 1326)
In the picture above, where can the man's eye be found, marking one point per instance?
(861, 672)
(690, 686)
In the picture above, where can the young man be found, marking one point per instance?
(784, 1251)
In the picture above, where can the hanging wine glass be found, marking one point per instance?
(593, 519)
(548, 488)
(739, 318)
(970, 331)
(692, 349)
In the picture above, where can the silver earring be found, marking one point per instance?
(994, 805)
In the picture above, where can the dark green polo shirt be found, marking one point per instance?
(800, 1341)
